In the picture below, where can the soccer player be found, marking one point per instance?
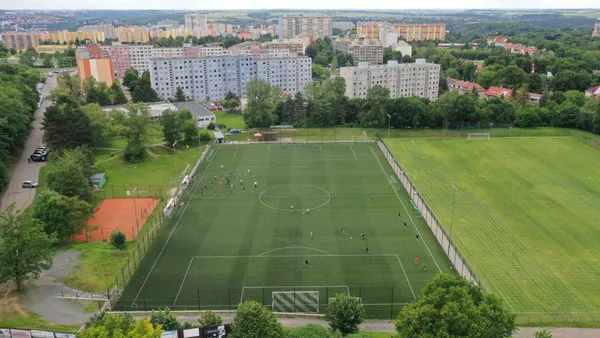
(243, 189)
(344, 231)
(372, 199)
(291, 206)
(417, 237)
(255, 185)
(398, 214)
(221, 183)
(367, 249)
(362, 235)
(306, 262)
(214, 192)
(241, 183)
(311, 235)
(425, 267)
(307, 210)
(404, 224)
(416, 259)
(221, 167)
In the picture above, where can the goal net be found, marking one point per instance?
(395, 182)
(296, 301)
(478, 137)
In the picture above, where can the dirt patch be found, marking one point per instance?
(9, 302)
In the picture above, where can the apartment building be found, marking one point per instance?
(52, 49)
(210, 78)
(107, 29)
(402, 79)
(20, 41)
(293, 25)
(362, 50)
(403, 47)
(596, 32)
(388, 36)
(197, 23)
(344, 25)
(410, 32)
(133, 34)
(296, 47)
(93, 62)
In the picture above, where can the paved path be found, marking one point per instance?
(21, 169)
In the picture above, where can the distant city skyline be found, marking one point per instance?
(303, 5)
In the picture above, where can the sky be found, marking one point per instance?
(303, 4)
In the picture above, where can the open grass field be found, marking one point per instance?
(221, 249)
(527, 215)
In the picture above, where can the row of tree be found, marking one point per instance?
(18, 102)
(323, 104)
(140, 86)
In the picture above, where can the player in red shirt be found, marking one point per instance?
(416, 259)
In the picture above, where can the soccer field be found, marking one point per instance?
(220, 249)
(527, 215)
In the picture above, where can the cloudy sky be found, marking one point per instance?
(304, 4)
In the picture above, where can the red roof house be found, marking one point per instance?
(498, 92)
(594, 92)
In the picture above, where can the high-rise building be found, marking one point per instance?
(292, 25)
(388, 36)
(20, 41)
(133, 34)
(93, 62)
(362, 50)
(344, 25)
(197, 23)
(405, 79)
(410, 32)
(596, 32)
(211, 78)
(107, 29)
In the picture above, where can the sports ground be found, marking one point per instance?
(219, 249)
(527, 215)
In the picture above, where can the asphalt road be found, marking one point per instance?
(22, 170)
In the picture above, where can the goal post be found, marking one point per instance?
(296, 301)
(478, 137)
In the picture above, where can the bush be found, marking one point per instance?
(118, 239)
(221, 126)
(209, 319)
(211, 126)
(205, 136)
(542, 334)
(165, 319)
(310, 331)
(344, 313)
(253, 320)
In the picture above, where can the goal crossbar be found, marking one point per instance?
(478, 136)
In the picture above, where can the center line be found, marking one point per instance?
(236, 150)
(353, 153)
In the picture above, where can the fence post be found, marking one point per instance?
(198, 297)
(145, 305)
(129, 267)
(229, 298)
(112, 187)
(134, 265)
(123, 273)
(392, 306)
(263, 293)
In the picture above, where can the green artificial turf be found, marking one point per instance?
(527, 215)
(220, 249)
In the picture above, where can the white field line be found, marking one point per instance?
(405, 275)
(407, 212)
(293, 286)
(175, 227)
(183, 281)
(236, 150)
(298, 256)
(353, 153)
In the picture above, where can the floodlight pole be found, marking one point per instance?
(452, 217)
(174, 162)
(389, 124)
(137, 223)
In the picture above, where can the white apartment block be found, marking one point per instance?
(362, 50)
(108, 29)
(344, 25)
(210, 78)
(293, 25)
(405, 79)
(197, 23)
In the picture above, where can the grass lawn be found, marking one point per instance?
(365, 334)
(527, 215)
(232, 119)
(29, 320)
(220, 249)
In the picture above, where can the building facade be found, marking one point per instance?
(403, 47)
(211, 78)
(596, 32)
(20, 41)
(362, 50)
(107, 29)
(405, 79)
(197, 23)
(410, 32)
(388, 36)
(52, 49)
(92, 62)
(133, 34)
(344, 25)
(293, 25)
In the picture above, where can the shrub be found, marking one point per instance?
(221, 126)
(344, 313)
(542, 334)
(310, 331)
(209, 319)
(205, 136)
(165, 319)
(118, 239)
(211, 126)
(253, 320)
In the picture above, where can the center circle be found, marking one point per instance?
(301, 196)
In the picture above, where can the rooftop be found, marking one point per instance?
(194, 107)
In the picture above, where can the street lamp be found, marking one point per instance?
(137, 223)
(452, 217)
(389, 124)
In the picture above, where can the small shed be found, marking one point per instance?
(98, 180)
(219, 138)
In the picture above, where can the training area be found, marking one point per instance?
(220, 249)
(526, 214)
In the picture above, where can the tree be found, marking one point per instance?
(139, 130)
(27, 59)
(96, 92)
(47, 62)
(453, 73)
(487, 78)
(143, 91)
(451, 306)
(567, 80)
(116, 93)
(319, 72)
(231, 101)
(123, 322)
(25, 249)
(373, 113)
(527, 117)
(310, 331)
(536, 83)
(66, 126)
(521, 96)
(512, 76)
(165, 319)
(144, 329)
(262, 100)
(252, 320)
(209, 319)
(118, 239)
(60, 215)
(576, 97)
(334, 63)
(190, 132)
(130, 78)
(344, 313)
(171, 126)
(70, 178)
(180, 95)
(311, 51)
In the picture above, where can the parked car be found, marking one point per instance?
(39, 158)
(235, 131)
(30, 184)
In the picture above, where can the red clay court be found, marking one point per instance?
(118, 213)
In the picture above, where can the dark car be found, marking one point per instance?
(235, 131)
(39, 158)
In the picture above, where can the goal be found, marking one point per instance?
(296, 301)
(478, 137)
(395, 182)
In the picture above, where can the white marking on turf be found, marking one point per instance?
(175, 227)
(288, 210)
(183, 281)
(236, 150)
(292, 287)
(295, 247)
(405, 275)
(353, 153)
(407, 212)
